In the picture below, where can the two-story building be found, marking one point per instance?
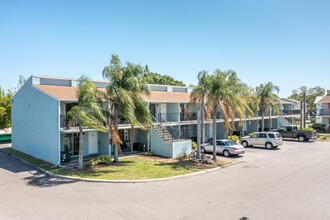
(40, 127)
(323, 110)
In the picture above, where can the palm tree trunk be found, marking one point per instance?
(214, 130)
(81, 148)
(202, 121)
(262, 118)
(132, 137)
(115, 156)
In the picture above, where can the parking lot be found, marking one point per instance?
(291, 182)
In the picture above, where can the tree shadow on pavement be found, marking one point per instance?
(42, 180)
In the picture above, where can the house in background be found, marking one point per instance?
(323, 110)
(40, 127)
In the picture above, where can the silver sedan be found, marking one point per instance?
(225, 147)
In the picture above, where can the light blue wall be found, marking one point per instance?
(45, 81)
(159, 146)
(104, 138)
(173, 108)
(158, 88)
(141, 137)
(35, 124)
(168, 149)
(175, 89)
(220, 130)
(181, 147)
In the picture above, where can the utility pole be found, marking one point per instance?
(301, 110)
(198, 156)
(304, 109)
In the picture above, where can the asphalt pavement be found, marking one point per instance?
(291, 182)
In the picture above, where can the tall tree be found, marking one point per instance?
(5, 108)
(124, 94)
(226, 93)
(267, 99)
(156, 78)
(88, 112)
(311, 94)
(198, 96)
(20, 83)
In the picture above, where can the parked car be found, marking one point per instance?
(292, 131)
(225, 147)
(268, 139)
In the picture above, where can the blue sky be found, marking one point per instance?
(286, 42)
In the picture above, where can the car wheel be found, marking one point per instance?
(245, 144)
(301, 138)
(203, 150)
(269, 145)
(226, 153)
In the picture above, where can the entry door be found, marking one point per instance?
(92, 142)
(152, 108)
(181, 112)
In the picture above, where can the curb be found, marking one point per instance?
(121, 181)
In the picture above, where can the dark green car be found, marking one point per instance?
(5, 138)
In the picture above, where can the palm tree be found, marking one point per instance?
(267, 99)
(198, 96)
(87, 113)
(124, 95)
(225, 93)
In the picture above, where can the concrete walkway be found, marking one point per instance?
(289, 183)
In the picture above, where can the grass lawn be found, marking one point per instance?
(129, 168)
(324, 137)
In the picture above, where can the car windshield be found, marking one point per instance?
(271, 135)
(278, 135)
(230, 143)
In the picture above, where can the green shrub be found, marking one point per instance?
(308, 128)
(101, 159)
(182, 156)
(319, 127)
(313, 119)
(193, 145)
(149, 153)
(234, 138)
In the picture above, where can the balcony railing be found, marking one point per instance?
(289, 112)
(65, 123)
(324, 112)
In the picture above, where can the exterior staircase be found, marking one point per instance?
(163, 133)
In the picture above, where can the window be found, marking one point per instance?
(254, 136)
(278, 135)
(262, 135)
(230, 143)
(271, 135)
(220, 143)
(288, 129)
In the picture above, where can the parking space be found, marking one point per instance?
(291, 182)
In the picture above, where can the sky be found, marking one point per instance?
(286, 42)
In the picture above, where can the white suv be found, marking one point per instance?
(268, 139)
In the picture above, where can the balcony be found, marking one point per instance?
(324, 112)
(180, 117)
(64, 122)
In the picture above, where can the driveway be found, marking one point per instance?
(289, 183)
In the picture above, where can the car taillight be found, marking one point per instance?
(235, 148)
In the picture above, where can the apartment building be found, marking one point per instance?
(40, 128)
(323, 110)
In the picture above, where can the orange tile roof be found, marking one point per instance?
(167, 96)
(68, 92)
(60, 92)
(325, 99)
(285, 102)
